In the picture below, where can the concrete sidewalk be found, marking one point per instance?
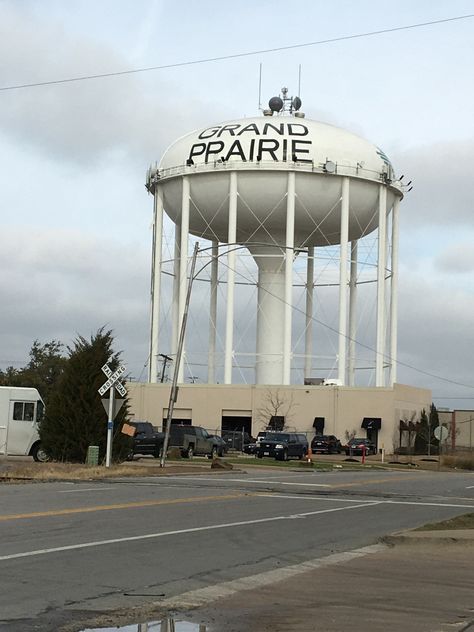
(425, 585)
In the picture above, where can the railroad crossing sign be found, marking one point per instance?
(111, 383)
(113, 380)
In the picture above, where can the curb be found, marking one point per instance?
(465, 537)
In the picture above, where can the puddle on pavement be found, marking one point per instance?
(165, 625)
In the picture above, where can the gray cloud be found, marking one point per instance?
(85, 122)
(68, 283)
(456, 258)
(442, 181)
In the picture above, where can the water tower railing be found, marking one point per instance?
(354, 171)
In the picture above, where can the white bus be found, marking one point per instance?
(21, 409)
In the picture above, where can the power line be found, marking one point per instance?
(263, 51)
(349, 338)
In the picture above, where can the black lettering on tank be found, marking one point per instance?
(268, 145)
(279, 130)
(252, 149)
(214, 147)
(303, 129)
(251, 127)
(209, 132)
(197, 150)
(236, 150)
(285, 149)
(295, 150)
(228, 128)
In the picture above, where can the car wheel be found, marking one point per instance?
(213, 454)
(158, 453)
(39, 454)
(284, 456)
(259, 456)
(190, 452)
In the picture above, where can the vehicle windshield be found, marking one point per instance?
(358, 441)
(277, 436)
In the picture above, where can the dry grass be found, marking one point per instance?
(465, 521)
(70, 471)
(461, 461)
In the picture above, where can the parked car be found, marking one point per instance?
(283, 446)
(193, 441)
(147, 440)
(326, 444)
(221, 445)
(356, 445)
(251, 448)
(236, 439)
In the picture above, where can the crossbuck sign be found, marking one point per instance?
(113, 384)
(113, 380)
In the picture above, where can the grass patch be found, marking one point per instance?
(463, 461)
(465, 521)
(78, 472)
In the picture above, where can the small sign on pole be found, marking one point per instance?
(111, 384)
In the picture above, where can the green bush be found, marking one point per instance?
(75, 417)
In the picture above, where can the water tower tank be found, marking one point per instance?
(280, 184)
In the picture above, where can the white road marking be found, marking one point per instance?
(87, 489)
(318, 498)
(202, 596)
(470, 487)
(256, 480)
(423, 504)
(366, 500)
(148, 536)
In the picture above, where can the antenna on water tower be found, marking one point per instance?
(260, 88)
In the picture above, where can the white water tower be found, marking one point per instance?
(281, 185)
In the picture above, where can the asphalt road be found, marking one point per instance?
(71, 550)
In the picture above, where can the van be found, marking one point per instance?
(21, 409)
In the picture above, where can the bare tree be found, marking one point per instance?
(276, 404)
(350, 434)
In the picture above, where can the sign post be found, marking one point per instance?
(441, 433)
(111, 384)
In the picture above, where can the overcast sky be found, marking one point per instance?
(75, 217)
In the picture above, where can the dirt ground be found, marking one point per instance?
(414, 588)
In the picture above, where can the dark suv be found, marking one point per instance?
(326, 444)
(283, 446)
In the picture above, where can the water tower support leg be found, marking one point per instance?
(231, 239)
(380, 341)
(308, 343)
(289, 254)
(394, 293)
(183, 260)
(211, 373)
(341, 365)
(353, 312)
(174, 305)
(156, 283)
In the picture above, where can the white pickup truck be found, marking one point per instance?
(21, 409)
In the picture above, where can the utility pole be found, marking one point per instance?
(166, 359)
(179, 353)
